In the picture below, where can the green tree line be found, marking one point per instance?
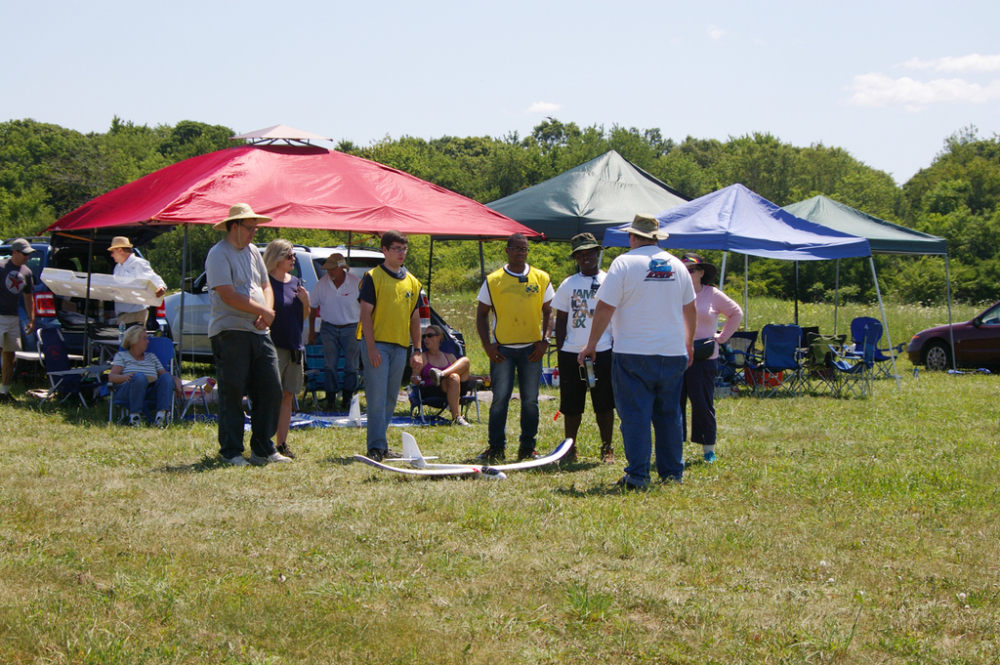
(47, 171)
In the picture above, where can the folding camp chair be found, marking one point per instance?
(64, 380)
(733, 358)
(883, 357)
(163, 349)
(777, 367)
(854, 373)
(817, 364)
(314, 371)
(419, 401)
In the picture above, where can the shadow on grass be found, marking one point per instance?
(206, 463)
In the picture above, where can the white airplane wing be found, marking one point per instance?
(554, 456)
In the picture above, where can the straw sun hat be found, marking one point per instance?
(238, 212)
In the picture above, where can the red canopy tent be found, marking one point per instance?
(304, 187)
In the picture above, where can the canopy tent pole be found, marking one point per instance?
(885, 322)
(746, 290)
(482, 263)
(836, 298)
(87, 348)
(184, 264)
(430, 269)
(796, 293)
(951, 330)
(722, 270)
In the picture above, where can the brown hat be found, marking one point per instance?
(334, 261)
(692, 260)
(583, 241)
(645, 225)
(241, 211)
(22, 245)
(120, 242)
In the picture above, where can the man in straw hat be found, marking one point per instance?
(648, 299)
(335, 300)
(130, 266)
(246, 362)
(574, 307)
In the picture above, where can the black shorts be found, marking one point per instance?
(435, 391)
(573, 388)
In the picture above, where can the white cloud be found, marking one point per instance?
(880, 90)
(543, 107)
(965, 63)
(715, 33)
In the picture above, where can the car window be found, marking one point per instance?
(991, 317)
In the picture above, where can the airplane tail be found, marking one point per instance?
(411, 453)
(354, 415)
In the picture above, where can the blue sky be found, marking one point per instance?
(887, 81)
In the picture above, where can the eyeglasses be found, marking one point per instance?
(426, 335)
(518, 250)
(250, 229)
(399, 249)
(290, 257)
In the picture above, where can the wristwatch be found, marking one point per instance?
(547, 340)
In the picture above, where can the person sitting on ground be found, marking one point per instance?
(144, 376)
(443, 375)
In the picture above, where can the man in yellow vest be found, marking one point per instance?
(521, 300)
(389, 323)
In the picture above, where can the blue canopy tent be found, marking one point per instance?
(735, 219)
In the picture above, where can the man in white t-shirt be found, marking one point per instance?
(335, 300)
(574, 307)
(649, 301)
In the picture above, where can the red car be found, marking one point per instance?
(977, 343)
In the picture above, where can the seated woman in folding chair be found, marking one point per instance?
(443, 375)
(144, 375)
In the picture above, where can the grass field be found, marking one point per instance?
(830, 530)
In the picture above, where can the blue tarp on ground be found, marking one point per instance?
(736, 219)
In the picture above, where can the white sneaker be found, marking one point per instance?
(272, 458)
(461, 421)
(135, 420)
(436, 375)
(239, 460)
(161, 419)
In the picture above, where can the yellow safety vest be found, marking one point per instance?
(395, 300)
(518, 305)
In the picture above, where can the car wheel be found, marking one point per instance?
(938, 357)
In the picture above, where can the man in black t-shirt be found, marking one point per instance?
(16, 281)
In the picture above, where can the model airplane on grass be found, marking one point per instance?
(421, 467)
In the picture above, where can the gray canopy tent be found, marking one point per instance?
(883, 237)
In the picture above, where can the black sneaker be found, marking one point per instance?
(625, 486)
(8, 398)
(392, 454)
(284, 450)
(527, 454)
(376, 455)
(490, 456)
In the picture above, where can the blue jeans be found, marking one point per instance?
(138, 389)
(339, 341)
(648, 390)
(529, 376)
(382, 385)
(246, 365)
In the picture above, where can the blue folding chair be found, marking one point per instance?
(777, 367)
(163, 349)
(883, 357)
(64, 380)
(733, 357)
(855, 372)
(419, 400)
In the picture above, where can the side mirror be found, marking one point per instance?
(978, 321)
(188, 285)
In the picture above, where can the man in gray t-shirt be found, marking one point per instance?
(246, 362)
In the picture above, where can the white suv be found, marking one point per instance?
(197, 310)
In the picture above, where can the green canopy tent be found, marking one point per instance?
(604, 192)
(883, 237)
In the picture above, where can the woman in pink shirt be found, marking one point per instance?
(699, 379)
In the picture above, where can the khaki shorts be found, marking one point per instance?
(291, 375)
(10, 333)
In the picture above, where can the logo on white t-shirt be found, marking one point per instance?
(660, 270)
